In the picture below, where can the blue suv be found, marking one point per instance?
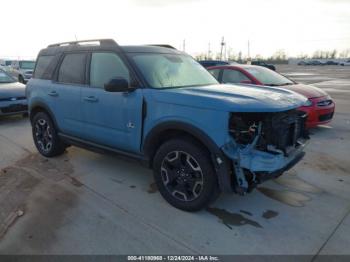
(158, 105)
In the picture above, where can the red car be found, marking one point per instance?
(320, 107)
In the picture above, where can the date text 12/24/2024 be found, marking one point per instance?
(173, 258)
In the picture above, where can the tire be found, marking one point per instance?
(21, 79)
(184, 174)
(45, 136)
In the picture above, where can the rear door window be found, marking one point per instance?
(215, 73)
(233, 76)
(72, 69)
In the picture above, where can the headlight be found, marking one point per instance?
(308, 103)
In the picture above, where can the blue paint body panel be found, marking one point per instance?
(206, 108)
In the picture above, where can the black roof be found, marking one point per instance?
(105, 44)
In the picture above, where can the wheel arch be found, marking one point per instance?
(41, 107)
(165, 131)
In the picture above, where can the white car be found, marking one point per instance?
(22, 70)
(346, 63)
(5, 64)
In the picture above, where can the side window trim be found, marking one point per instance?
(87, 69)
(220, 75)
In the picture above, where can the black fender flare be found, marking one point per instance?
(220, 161)
(45, 108)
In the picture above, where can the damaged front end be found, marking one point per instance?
(264, 145)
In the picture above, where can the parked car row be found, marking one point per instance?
(21, 70)
(330, 62)
(12, 95)
(209, 63)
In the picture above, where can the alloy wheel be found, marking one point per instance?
(182, 176)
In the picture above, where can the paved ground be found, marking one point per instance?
(88, 203)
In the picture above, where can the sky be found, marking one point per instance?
(295, 26)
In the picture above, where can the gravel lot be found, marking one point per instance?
(89, 203)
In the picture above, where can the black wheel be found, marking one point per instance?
(21, 79)
(45, 136)
(184, 174)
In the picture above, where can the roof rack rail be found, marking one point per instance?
(167, 46)
(101, 41)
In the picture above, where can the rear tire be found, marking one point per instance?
(21, 79)
(45, 136)
(184, 174)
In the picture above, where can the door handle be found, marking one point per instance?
(53, 93)
(91, 99)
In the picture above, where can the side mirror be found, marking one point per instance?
(246, 82)
(117, 85)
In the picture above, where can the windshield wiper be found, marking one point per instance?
(285, 84)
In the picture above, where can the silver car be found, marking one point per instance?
(22, 70)
(12, 96)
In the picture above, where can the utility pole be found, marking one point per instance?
(184, 45)
(248, 49)
(209, 51)
(222, 46)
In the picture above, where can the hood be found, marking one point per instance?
(232, 98)
(11, 90)
(307, 90)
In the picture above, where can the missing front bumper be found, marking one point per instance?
(252, 167)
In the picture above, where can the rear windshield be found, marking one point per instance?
(27, 65)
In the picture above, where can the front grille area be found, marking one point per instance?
(280, 131)
(324, 103)
(325, 117)
(14, 109)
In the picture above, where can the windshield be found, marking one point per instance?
(27, 65)
(171, 70)
(5, 78)
(269, 77)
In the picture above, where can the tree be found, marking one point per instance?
(279, 55)
(240, 57)
(345, 53)
(334, 54)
